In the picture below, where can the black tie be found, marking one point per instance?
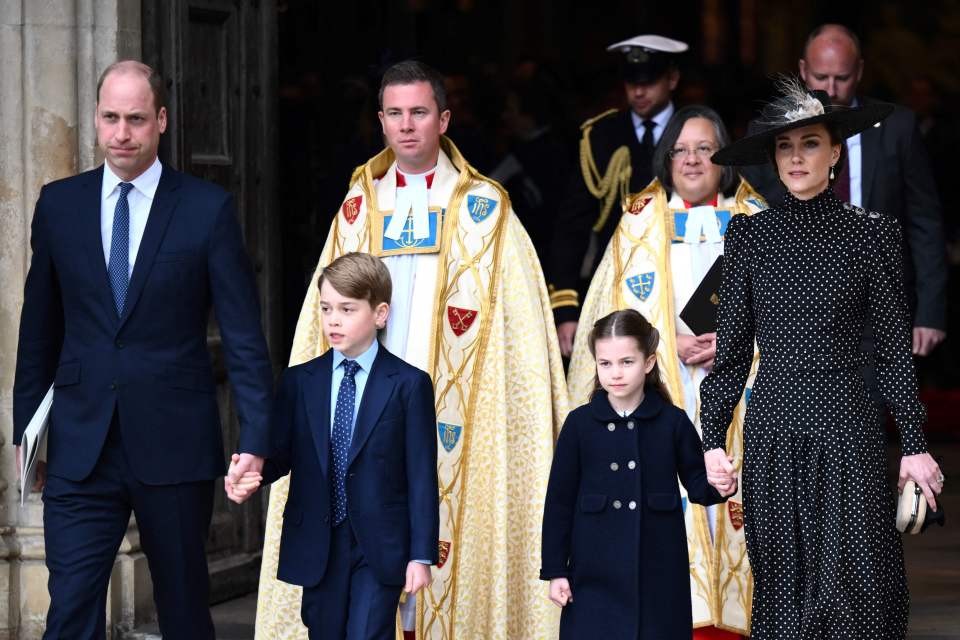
(647, 140)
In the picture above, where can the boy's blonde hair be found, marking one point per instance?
(359, 275)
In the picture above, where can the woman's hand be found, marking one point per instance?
(697, 350)
(924, 470)
(560, 592)
(721, 473)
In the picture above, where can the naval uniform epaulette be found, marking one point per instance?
(589, 122)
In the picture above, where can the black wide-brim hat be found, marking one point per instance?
(796, 108)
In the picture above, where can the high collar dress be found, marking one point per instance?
(803, 280)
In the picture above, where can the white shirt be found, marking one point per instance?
(855, 165)
(660, 123)
(139, 199)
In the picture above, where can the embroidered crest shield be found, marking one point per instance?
(683, 504)
(736, 514)
(637, 205)
(351, 208)
(449, 435)
(480, 207)
(460, 319)
(642, 285)
(444, 553)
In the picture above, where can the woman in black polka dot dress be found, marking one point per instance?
(803, 280)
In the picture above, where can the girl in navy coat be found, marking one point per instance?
(614, 543)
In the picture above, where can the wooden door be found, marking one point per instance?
(220, 63)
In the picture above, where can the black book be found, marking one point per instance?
(700, 312)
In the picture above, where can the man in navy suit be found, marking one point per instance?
(356, 429)
(127, 261)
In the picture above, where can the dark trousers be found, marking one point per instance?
(349, 603)
(84, 524)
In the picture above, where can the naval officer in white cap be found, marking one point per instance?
(616, 151)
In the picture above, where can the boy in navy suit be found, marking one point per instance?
(356, 428)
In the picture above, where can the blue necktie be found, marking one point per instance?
(340, 440)
(119, 265)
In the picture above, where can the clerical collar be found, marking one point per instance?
(712, 203)
(413, 177)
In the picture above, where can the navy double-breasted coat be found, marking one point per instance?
(613, 519)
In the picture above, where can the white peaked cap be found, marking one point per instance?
(652, 43)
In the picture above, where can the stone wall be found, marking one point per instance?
(52, 52)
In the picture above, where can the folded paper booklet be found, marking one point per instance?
(700, 312)
(33, 447)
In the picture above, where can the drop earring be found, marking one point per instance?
(831, 173)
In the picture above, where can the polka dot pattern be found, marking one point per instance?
(340, 439)
(804, 280)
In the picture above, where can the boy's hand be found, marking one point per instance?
(560, 592)
(247, 484)
(418, 577)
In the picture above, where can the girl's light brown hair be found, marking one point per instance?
(629, 323)
(360, 276)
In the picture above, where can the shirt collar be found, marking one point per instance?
(146, 183)
(660, 119)
(365, 359)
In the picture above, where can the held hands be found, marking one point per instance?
(697, 350)
(41, 478)
(560, 592)
(418, 577)
(924, 470)
(243, 477)
(721, 473)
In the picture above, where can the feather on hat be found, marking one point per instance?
(796, 107)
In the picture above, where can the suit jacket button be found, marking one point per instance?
(614, 466)
(617, 504)
(632, 464)
(326, 519)
(113, 386)
(611, 426)
(630, 425)
(632, 505)
(119, 344)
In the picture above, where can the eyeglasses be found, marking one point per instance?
(702, 151)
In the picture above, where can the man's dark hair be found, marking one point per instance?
(816, 33)
(153, 78)
(411, 71)
(663, 164)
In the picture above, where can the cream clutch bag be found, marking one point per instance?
(913, 513)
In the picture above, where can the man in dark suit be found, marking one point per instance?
(619, 148)
(127, 261)
(888, 170)
(356, 430)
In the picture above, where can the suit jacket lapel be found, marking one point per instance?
(164, 202)
(869, 150)
(89, 214)
(376, 393)
(316, 399)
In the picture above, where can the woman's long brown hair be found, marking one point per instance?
(629, 323)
